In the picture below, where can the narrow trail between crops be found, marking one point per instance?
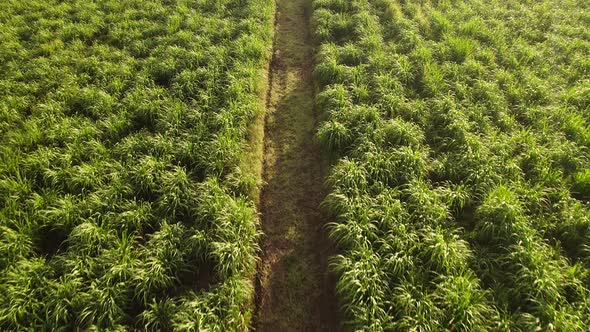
(294, 291)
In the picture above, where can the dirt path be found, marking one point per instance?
(294, 289)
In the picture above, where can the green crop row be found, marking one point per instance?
(122, 130)
(459, 136)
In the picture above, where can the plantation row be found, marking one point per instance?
(459, 134)
(123, 203)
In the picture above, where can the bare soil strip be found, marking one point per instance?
(295, 292)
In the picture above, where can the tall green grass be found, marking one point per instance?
(122, 130)
(460, 165)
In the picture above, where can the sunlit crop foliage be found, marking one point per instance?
(122, 127)
(459, 135)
